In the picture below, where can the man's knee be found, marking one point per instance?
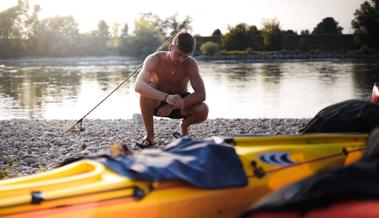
(148, 104)
(201, 111)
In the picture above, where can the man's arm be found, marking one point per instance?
(143, 83)
(199, 95)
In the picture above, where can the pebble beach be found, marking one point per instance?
(33, 146)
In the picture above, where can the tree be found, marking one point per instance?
(57, 36)
(304, 33)
(237, 38)
(123, 49)
(289, 32)
(217, 32)
(209, 48)
(125, 31)
(115, 34)
(7, 19)
(327, 26)
(172, 25)
(18, 22)
(272, 37)
(254, 38)
(146, 37)
(366, 24)
(32, 22)
(103, 31)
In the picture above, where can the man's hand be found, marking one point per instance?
(175, 100)
(165, 110)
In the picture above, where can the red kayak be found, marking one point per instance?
(351, 209)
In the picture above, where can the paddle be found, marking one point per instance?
(78, 123)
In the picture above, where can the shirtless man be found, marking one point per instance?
(162, 85)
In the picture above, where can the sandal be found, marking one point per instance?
(177, 135)
(146, 143)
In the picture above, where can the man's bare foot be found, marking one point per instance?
(146, 143)
(184, 128)
(165, 110)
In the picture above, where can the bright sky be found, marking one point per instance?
(207, 15)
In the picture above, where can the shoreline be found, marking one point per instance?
(287, 55)
(33, 146)
(293, 56)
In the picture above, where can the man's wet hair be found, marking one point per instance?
(185, 42)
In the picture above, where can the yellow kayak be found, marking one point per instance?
(88, 189)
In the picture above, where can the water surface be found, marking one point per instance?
(67, 88)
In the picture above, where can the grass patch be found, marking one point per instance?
(5, 173)
(41, 168)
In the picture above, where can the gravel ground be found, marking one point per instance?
(32, 146)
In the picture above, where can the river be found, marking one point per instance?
(67, 88)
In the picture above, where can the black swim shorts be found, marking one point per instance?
(175, 114)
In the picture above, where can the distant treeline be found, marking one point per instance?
(22, 34)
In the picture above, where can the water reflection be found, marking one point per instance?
(67, 88)
(327, 73)
(363, 74)
(272, 72)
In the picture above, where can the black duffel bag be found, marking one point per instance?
(348, 116)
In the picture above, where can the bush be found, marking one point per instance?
(209, 48)
(365, 49)
(234, 52)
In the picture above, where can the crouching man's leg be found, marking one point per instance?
(195, 114)
(147, 111)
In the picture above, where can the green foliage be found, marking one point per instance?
(7, 19)
(239, 37)
(149, 33)
(289, 32)
(115, 35)
(217, 32)
(303, 44)
(172, 25)
(56, 36)
(271, 33)
(327, 26)
(125, 31)
(254, 37)
(102, 32)
(167, 26)
(22, 33)
(366, 24)
(145, 39)
(144, 42)
(209, 48)
(305, 33)
(41, 168)
(17, 30)
(367, 50)
(5, 173)
(234, 52)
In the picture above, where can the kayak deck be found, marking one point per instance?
(88, 189)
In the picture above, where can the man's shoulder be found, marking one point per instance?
(191, 61)
(153, 59)
(160, 54)
(157, 57)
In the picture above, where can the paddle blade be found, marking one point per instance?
(77, 126)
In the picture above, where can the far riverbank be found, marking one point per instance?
(290, 55)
